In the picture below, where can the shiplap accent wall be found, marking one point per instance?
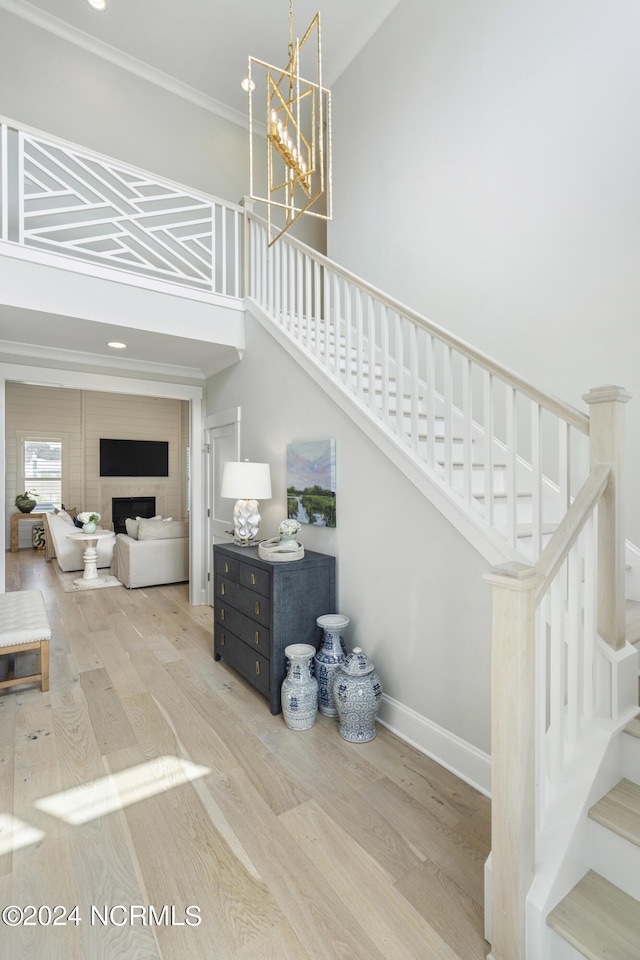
(83, 417)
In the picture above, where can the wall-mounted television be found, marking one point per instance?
(134, 458)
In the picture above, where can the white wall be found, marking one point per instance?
(410, 583)
(486, 173)
(62, 89)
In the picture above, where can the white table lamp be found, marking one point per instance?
(247, 483)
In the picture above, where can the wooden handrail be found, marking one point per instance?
(555, 553)
(573, 416)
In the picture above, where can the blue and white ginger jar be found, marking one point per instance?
(357, 693)
(299, 691)
(327, 660)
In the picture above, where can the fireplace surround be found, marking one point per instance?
(123, 507)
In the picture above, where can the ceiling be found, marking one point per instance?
(199, 48)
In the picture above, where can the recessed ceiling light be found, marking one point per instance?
(98, 4)
(116, 345)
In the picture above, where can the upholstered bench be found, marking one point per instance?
(23, 626)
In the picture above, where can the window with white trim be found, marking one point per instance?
(42, 469)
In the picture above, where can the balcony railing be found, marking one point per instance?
(60, 199)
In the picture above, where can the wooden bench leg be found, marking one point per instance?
(44, 665)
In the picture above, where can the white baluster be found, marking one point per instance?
(317, 291)
(371, 330)
(21, 225)
(4, 181)
(431, 398)
(414, 374)
(511, 464)
(399, 352)
(488, 447)
(536, 479)
(467, 429)
(386, 371)
(223, 251)
(348, 346)
(590, 612)
(308, 300)
(573, 644)
(447, 374)
(557, 678)
(359, 346)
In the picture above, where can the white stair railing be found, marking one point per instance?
(560, 676)
(60, 199)
(508, 454)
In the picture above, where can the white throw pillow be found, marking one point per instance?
(131, 525)
(65, 516)
(162, 530)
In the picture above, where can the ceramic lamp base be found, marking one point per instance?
(246, 521)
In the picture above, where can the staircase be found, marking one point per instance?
(529, 481)
(600, 917)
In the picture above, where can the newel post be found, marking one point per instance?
(512, 755)
(607, 446)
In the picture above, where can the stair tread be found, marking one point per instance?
(599, 920)
(619, 810)
(526, 529)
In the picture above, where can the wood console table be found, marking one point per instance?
(15, 520)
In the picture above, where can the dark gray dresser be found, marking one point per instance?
(261, 607)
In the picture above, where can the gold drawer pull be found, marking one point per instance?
(222, 639)
(226, 567)
(222, 614)
(257, 668)
(257, 606)
(257, 636)
(253, 579)
(222, 589)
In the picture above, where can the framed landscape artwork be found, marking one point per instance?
(311, 482)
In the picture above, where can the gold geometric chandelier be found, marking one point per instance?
(297, 178)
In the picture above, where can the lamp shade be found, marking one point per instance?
(244, 480)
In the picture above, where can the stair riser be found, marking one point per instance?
(615, 859)
(558, 949)
(631, 758)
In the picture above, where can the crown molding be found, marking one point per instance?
(57, 356)
(46, 21)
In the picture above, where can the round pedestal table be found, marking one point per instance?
(90, 577)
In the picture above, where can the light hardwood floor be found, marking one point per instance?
(294, 845)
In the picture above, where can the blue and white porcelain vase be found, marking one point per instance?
(299, 692)
(328, 659)
(357, 692)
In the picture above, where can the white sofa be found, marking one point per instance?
(67, 552)
(152, 552)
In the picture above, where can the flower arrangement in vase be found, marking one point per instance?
(89, 519)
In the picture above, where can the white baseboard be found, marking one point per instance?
(466, 761)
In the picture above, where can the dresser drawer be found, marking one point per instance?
(227, 590)
(253, 605)
(226, 567)
(254, 578)
(254, 634)
(251, 664)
